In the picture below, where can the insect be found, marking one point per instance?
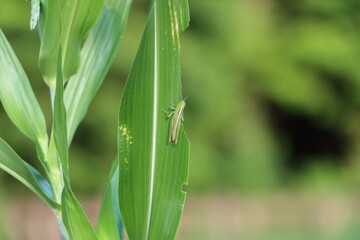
(176, 115)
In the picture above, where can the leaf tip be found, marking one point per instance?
(184, 14)
(35, 13)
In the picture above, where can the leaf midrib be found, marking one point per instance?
(155, 124)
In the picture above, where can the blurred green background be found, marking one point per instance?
(273, 115)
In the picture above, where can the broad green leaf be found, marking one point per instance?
(71, 20)
(74, 217)
(17, 96)
(153, 170)
(35, 13)
(11, 163)
(97, 55)
(110, 225)
(59, 128)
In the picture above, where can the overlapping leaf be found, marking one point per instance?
(11, 163)
(97, 55)
(77, 19)
(74, 217)
(67, 22)
(59, 127)
(153, 170)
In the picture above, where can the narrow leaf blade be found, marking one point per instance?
(18, 97)
(59, 127)
(153, 170)
(74, 217)
(11, 163)
(97, 55)
(110, 225)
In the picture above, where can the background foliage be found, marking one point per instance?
(273, 94)
(273, 90)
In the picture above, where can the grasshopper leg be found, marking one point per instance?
(168, 115)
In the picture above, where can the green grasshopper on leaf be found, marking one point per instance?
(176, 115)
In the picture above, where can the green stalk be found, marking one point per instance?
(55, 177)
(55, 174)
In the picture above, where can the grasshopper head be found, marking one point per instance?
(182, 103)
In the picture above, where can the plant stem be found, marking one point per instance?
(55, 176)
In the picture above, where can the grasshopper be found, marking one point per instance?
(176, 115)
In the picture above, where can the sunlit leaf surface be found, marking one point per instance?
(153, 170)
